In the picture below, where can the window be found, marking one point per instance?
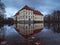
(30, 13)
(23, 16)
(26, 16)
(29, 16)
(26, 12)
(26, 27)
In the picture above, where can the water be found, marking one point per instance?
(31, 34)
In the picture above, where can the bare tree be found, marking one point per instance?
(2, 13)
(2, 9)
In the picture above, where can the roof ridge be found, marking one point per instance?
(29, 8)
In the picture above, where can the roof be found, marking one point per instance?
(17, 13)
(37, 12)
(28, 8)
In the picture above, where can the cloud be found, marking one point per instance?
(44, 6)
(10, 11)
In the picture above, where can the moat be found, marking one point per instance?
(34, 34)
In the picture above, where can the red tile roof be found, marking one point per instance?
(28, 8)
(17, 13)
(37, 12)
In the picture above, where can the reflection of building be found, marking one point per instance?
(27, 15)
(26, 29)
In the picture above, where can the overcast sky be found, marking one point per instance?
(44, 6)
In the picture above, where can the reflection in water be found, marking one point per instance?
(2, 36)
(54, 26)
(43, 37)
(27, 30)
